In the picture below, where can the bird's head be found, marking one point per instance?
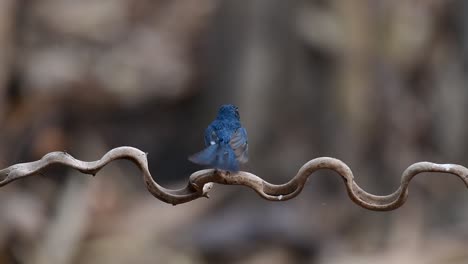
(229, 111)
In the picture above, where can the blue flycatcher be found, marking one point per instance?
(225, 141)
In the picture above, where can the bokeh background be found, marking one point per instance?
(379, 84)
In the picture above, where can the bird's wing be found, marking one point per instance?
(207, 156)
(217, 156)
(210, 136)
(240, 145)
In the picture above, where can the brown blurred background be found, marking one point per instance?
(379, 84)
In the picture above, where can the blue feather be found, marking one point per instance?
(225, 140)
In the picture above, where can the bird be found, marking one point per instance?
(226, 145)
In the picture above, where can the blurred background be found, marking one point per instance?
(379, 84)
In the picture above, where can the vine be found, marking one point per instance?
(201, 182)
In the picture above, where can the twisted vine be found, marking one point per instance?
(202, 181)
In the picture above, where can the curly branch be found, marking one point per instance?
(202, 181)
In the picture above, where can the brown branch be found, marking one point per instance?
(202, 181)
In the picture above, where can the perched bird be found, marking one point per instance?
(225, 141)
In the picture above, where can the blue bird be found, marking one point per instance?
(225, 141)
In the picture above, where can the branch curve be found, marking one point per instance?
(202, 181)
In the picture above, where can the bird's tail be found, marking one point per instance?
(217, 156)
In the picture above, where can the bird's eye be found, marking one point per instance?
(237, 113)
